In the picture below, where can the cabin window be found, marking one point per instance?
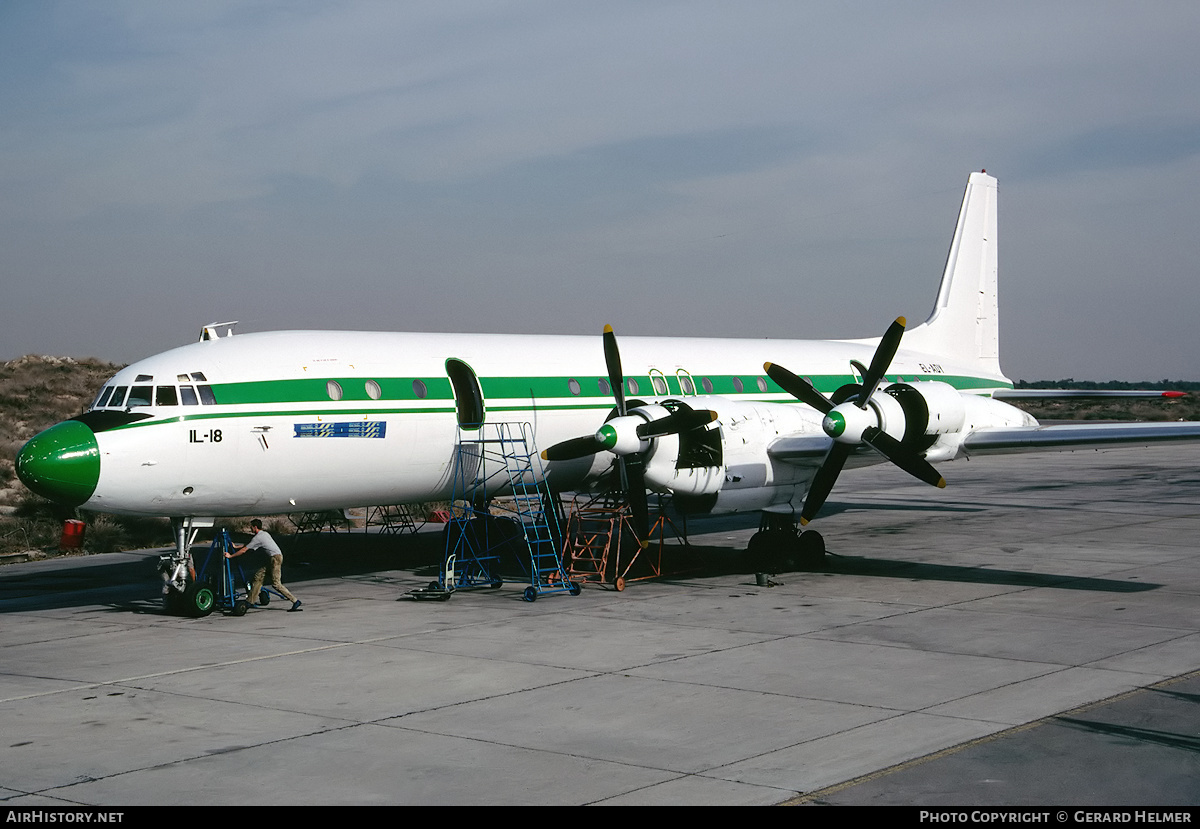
(206, 395)
(140, 396)
(762, 384)
(685, 383)
(166, 396)
(633, 386)
(334, 390)
(707, 385)
(373, 390)
(660, 385)
(118, 396)
(573, 386)
(420, 390)
(187, 396)
(604, 387)
(737, 385)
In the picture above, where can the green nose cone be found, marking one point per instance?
(607, 436)
(834, 424)
(61, 463)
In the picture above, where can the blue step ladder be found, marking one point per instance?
(503, 516)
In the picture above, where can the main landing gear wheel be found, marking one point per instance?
(778, 550)
(198, 601)
(173, 602)
(811, 549)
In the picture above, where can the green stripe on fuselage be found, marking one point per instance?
(315, 389)
(516, 393)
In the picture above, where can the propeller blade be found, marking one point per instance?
(822, 482)
(682, 421)
(635, 492)
(612, 360)
(798, 387)
(884, 353)
(574, 448)
(895, 452)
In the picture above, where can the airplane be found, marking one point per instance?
(304, 421)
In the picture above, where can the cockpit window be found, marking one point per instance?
(166, 396)
(118, 397)
(143, 378)
(140, 396)
(199, 376)
(102, 397)
(187, 396)
(206, 395)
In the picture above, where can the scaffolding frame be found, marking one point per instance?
(502, 512)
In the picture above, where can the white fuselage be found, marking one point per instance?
(315, 420)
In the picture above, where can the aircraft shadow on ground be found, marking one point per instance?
(131, 584)
(716, 561)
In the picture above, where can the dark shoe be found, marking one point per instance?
(296, 606)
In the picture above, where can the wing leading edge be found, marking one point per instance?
(1070, 436)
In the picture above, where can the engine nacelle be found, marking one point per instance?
(929, 408)
(687, 464)
(727, 457)
(726, 467)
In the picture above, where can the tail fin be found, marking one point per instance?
(964, 324)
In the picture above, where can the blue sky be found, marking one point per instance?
(777, 169)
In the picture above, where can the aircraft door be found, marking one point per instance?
(468, 396)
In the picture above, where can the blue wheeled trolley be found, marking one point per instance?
(224, 579)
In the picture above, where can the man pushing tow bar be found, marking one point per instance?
(274, 563)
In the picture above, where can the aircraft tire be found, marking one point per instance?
(199, 601)
(769, 551)
(173, 602)
(811, 549)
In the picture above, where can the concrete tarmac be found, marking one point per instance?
(953, 652)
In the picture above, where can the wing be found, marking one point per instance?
(1070, 436)
(1078, 394)
(801, 450)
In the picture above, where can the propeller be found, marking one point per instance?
(628, 437)
(850, 423)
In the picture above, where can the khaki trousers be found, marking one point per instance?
(275, 566)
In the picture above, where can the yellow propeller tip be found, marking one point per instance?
(766, 366)
(941, 484)
(608, 329)
(803, 521)
(902, 320)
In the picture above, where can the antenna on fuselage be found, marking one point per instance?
(209, 332)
